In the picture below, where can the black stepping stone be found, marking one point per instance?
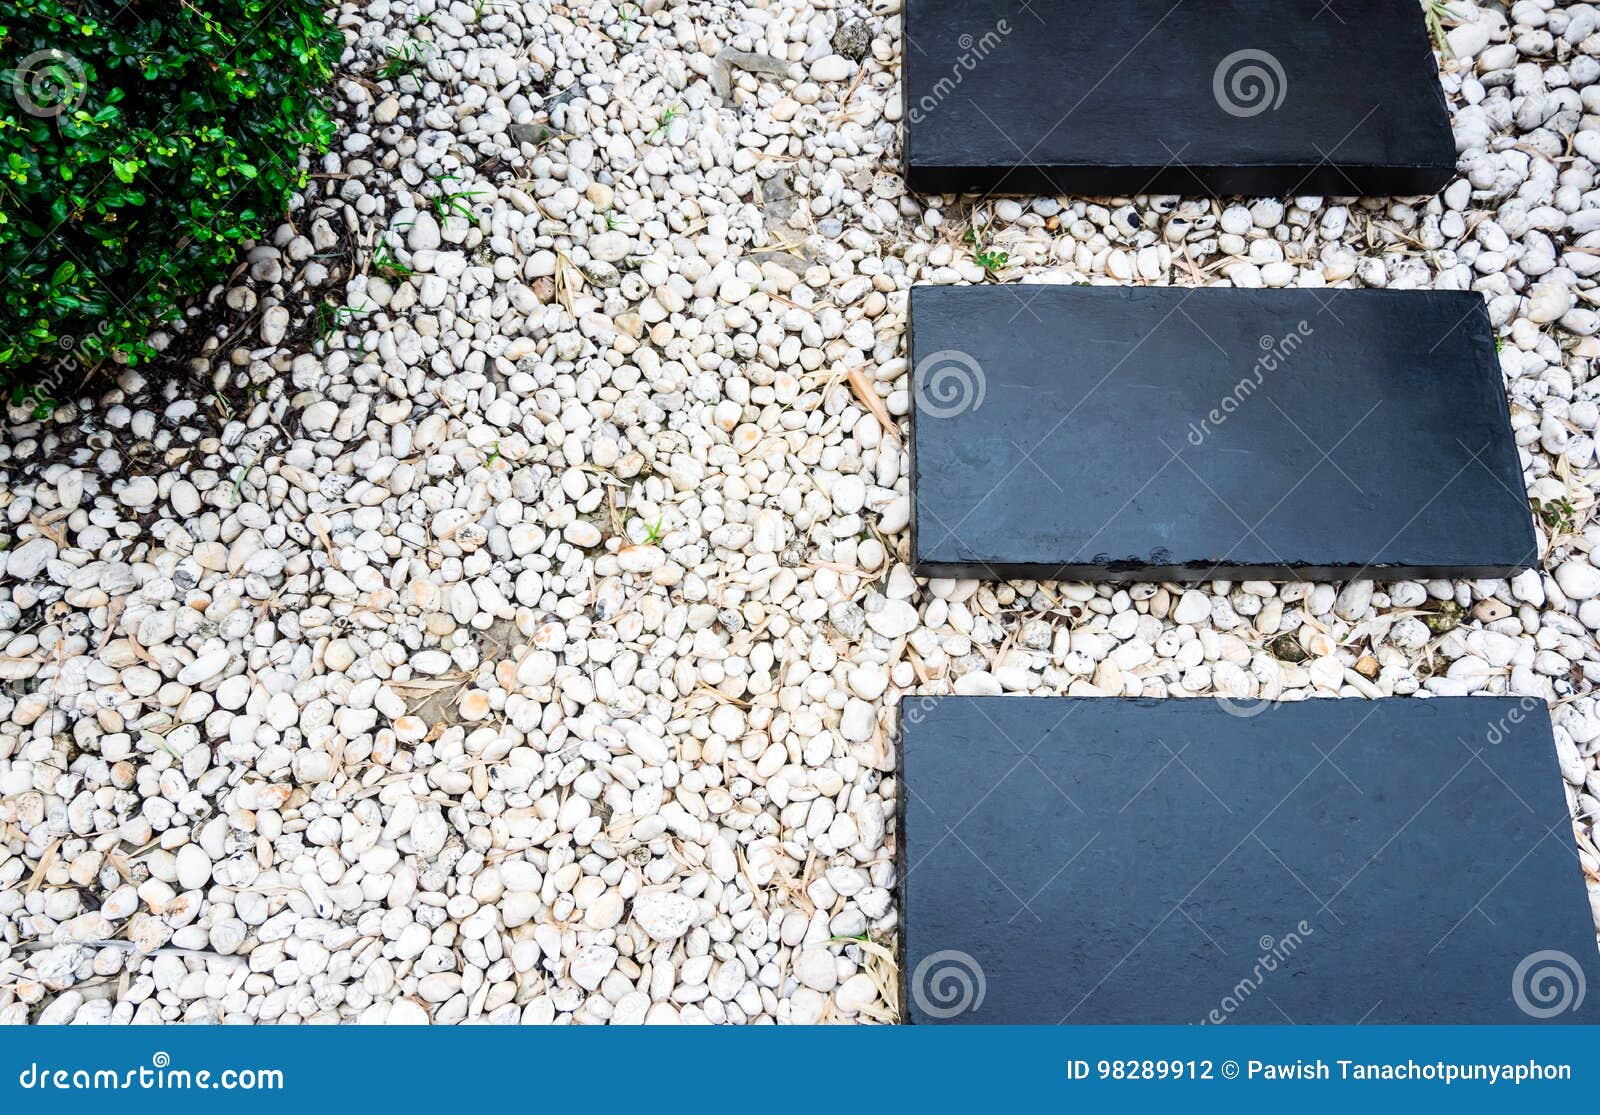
(1167, 433)
(1157, 862)
(1270, 97)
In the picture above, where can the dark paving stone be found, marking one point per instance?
(1122, 433)
(1273, 97)
(1120, 861)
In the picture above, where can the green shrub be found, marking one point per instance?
(139, 144)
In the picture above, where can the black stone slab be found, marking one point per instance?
(1273, 97)
(1103, 860)
(1138, 433)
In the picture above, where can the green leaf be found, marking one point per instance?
(182, 145)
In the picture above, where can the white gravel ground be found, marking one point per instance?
(517, 637)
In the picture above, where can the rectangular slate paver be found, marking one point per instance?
(1271, 97)
(1115, 433)
(1103, 860)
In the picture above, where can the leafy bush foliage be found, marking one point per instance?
(139, 144)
